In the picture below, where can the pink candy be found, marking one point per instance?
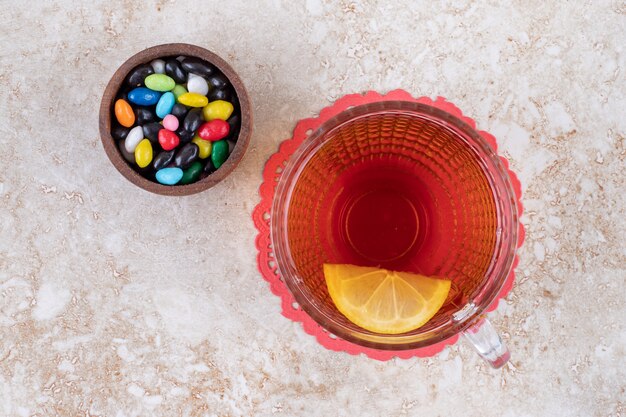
(170, 122)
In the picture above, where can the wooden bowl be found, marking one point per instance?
(106, 114)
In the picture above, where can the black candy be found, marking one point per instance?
(163, 159)
(233, 135)
(193, 120)
(218, 81)
(146, 172)
(186, 156)
(122, 95)
(220, 94)
(128, 156)
(119, 132)
(209, 167)
(137, 75)
(234, 122)
(179, 111)
(198, 66)
(235, 103)
(145, 115)
(151, 131)
(174, 70)
(184, 135)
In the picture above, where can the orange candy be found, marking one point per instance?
(124, 113)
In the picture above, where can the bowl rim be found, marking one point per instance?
(106, 117)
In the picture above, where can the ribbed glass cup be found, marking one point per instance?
(403, 186)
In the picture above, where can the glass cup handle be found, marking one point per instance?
(487, 343)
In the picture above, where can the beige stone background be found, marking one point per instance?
(115, 302)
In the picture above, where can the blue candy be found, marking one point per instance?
(165, 104)
(169, 176)
(143, 96)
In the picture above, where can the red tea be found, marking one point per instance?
(410, 197)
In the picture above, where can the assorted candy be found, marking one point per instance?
(169, 176)
(176, 119)
(124, 113)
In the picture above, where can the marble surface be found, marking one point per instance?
(115, 302)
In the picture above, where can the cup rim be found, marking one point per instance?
(506, 211)
(106, 111)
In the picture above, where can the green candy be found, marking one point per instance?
(192, 173)
(159, 82)
(178, 91)
(219, 153)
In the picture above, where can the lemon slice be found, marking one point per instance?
(384, 301)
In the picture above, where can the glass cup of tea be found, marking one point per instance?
(407, 187)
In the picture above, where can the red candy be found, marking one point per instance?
(214, 130)
(168, 139)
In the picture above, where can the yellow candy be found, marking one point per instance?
(204, 147)
(218, 109)
(143, 153)
(193, 100)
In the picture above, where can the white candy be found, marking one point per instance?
(134, 137)
(158, 65)
(197, 84)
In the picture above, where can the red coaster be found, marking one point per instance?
(262, 214)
